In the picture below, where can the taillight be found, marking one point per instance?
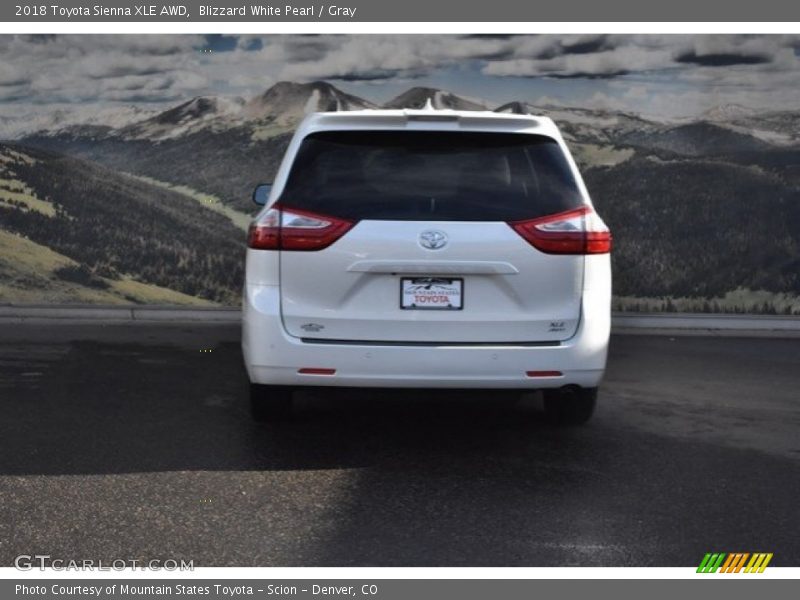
(264, 234)
(291, 229)
(578, 231)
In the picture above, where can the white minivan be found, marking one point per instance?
(427, 249)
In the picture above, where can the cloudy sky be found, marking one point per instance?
(657, 75)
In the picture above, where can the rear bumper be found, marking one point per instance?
(274, 357)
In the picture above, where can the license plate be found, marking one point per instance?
(431, 293)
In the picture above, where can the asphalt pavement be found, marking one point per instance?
(135, 442)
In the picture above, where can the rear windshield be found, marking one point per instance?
(430, 175)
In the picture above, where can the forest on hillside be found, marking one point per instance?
(113, 224)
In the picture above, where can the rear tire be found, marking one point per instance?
(571, 405)
(270, 402)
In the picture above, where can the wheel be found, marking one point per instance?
(571, 405)
(270, 402)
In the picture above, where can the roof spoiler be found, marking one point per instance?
(401, 118)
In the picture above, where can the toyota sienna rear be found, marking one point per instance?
(427, 249)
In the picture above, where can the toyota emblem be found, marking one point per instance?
(433, 239)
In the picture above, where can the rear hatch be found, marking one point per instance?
(412, 236)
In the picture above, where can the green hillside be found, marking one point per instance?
(99, 235)
(226, 164)
(34, 274)
(699, 228)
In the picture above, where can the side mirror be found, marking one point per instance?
(261, 193)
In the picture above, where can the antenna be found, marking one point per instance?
(429, 105)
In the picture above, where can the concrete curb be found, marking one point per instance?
(622, 323)
(116, 314)
(704, 324)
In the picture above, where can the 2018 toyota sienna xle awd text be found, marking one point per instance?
(427, 249)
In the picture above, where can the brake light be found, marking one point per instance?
(578, 231)
(264, 234)
(292, 229)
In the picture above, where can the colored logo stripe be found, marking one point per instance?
(710, 563)
(758, 563)
(734, 562)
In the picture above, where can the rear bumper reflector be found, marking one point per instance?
(316, 371)
(543, 373)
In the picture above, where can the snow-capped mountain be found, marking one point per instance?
(585, 124)
(71, 117)
(728, 112)
(196, 114)
(417, 97)
(286, 103)
(279, 108)
(282, 106)
(518, 108)
(776, 127)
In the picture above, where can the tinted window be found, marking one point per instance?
(430, 175)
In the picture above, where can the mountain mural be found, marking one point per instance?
(418, 97)
(151, 206)
(286, 102)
